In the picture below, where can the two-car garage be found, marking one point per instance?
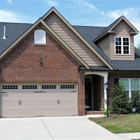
(38, 99)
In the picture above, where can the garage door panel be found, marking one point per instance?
(35, 112)
(44, 103)
(53, 112)
(35, 95)
(71, 111)
(53, 95)
(34, 103)
(14, 95)
(53, 101)
(10, 103)
(25, 95)
(25, 103)
(4, 95)
(45, 111)
(10, 95)
(11, 113)
(47, 100)
(25, 112)
(63, 112)
(44, 96)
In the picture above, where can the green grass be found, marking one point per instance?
(128, 124)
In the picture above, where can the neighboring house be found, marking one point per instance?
(51, 68)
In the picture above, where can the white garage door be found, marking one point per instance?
(29, 100)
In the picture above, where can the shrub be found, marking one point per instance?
(121, 104)
(134, 101)
(120, 100)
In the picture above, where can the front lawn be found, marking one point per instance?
(120, 124)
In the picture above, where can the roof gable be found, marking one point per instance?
(110, 28)
(32, 27)
(53, 10)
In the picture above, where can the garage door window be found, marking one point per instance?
(9, 87)
(48, 86)
(29, 86)
(67, 86)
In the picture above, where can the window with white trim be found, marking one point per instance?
(130, 85)
(122, 45)
(40, 37)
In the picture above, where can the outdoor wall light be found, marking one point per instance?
(40, 60)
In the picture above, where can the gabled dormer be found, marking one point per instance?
(117, 40)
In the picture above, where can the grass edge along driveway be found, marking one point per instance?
(120, 123)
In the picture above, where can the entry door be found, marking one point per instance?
(88, 95)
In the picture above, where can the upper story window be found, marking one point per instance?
(122, 45)
(39, 36)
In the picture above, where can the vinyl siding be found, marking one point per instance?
(105, 45)
(72, 40)
(122, 30)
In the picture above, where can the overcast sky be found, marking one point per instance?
(77, 12)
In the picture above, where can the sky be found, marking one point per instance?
(77, 12)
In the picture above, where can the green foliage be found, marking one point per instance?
(113, 128)
(120, 100)
(105, 110)
(121, 104)
(121, 123)
(134, 101)
(135, 98)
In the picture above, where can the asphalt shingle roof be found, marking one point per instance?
(108, 28)
(13, 31)
(89, 33)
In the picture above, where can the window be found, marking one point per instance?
(9, 87)
(48, 86)
(130, 85)
(67, 86)
(39, 36)
(29, 86)
(122, 45)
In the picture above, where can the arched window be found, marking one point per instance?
(39, 36)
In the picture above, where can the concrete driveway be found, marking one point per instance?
(53, 128)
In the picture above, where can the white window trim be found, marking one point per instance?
(43, 37)
(121, 45)
(129, 81)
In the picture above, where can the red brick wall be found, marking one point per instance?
(22, 65)
(117, 75)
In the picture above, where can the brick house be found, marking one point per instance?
(51, 68)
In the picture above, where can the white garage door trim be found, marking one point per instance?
(35, 99)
